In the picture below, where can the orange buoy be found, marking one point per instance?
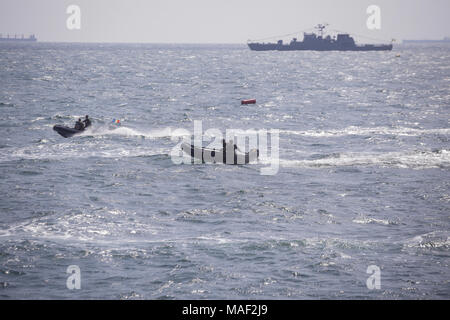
(249, 101)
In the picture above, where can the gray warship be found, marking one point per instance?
(317, 42)
(31, 38)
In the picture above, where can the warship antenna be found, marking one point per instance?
(280, 36)
(320, 27)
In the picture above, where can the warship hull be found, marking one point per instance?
(8, 39)
(271, 47)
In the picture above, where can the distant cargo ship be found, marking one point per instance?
(445, 40)
(312, 41)
(31, 38)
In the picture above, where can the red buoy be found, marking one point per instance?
(249, 101)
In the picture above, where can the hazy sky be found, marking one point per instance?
(219, 21)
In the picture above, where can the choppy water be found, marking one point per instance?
(363, 179)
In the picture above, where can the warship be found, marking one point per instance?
(31, 38)
(319, 42)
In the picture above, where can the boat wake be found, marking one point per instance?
(361, 131)
(406, 159)
(62, 151)
(130, 132)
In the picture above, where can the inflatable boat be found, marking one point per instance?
(207, 155)
(66, 132)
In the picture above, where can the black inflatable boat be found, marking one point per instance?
(66, 132)
(217, 156)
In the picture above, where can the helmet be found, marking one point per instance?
(87, 116)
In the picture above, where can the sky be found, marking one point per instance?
(219, 21)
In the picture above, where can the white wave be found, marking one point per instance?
(412, 159)
(130, 132)
(39, 119)
(366, 220)
(434, 239)
(362, 131)
(83, 226)
(62, 151)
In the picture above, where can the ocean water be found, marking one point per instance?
(363, 178)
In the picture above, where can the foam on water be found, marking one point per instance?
(63, 151)
(353, 130)
(366, 220)
(405, 159)
(431, 240)
(130, 132)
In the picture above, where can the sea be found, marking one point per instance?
(357, 208)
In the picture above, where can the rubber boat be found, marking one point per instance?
(66, 132)
(207, 155)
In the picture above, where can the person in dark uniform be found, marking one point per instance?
(87, 122)
(79, 125)
(224, 148)
(231, 143)
(224, 151)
